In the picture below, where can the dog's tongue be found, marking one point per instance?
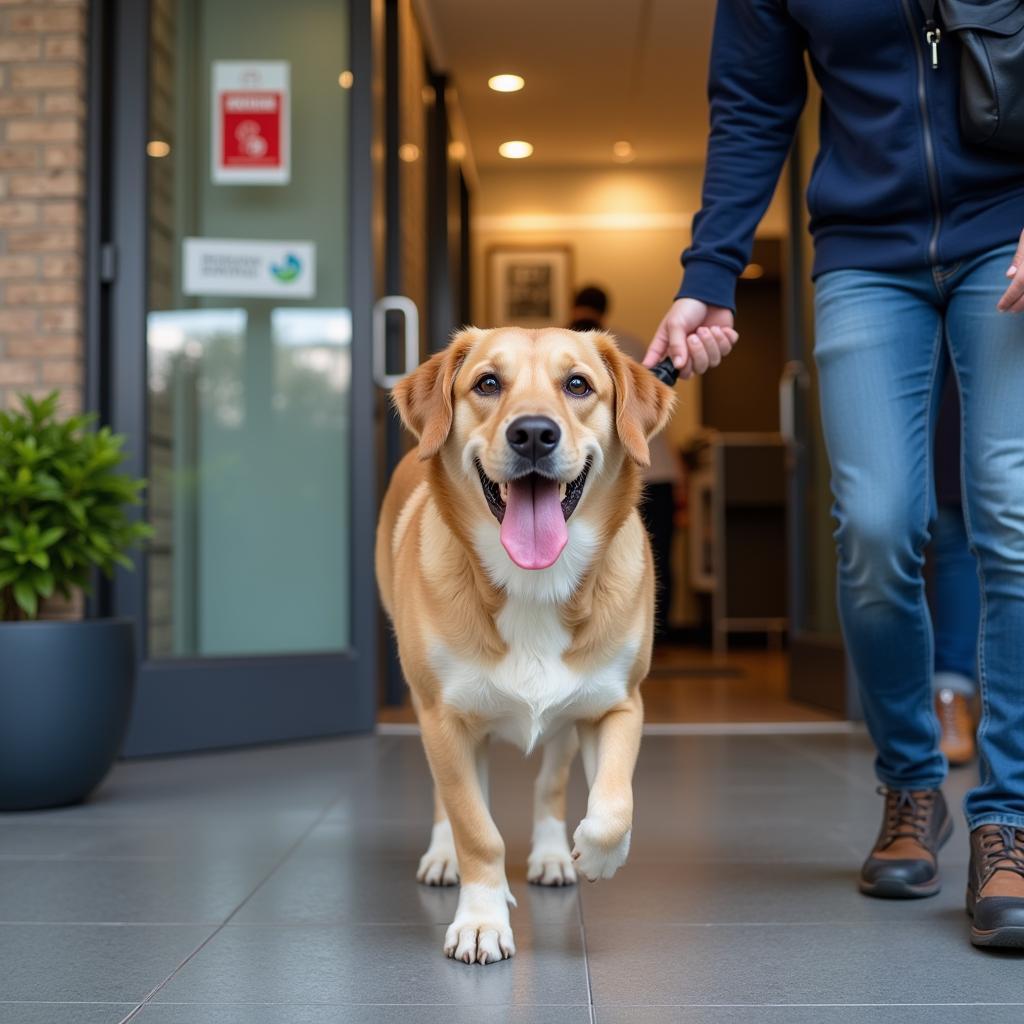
(533, 530)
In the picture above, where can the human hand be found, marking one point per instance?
(697, 336)
(1012, 300)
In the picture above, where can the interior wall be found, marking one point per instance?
(626, 226)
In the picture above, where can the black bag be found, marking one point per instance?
(991, 34)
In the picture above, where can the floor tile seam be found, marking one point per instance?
(65, 1002)
(331, 1003)
(109, 924)
(799, 1006)
(858, 924)
(71, 858)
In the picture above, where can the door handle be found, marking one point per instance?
(794, 375)
(411, 317)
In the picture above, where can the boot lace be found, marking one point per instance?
(1002, 849)
(907, 814)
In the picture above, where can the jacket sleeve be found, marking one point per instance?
(757, 87)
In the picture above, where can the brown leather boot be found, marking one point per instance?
(995, 886)
(904, 862)
(957, 724)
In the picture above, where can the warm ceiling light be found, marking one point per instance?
(752, 271)
(457, 150)
(345, 79)
(158, 148)
(409, 152)
(623, 150)
(515, 150)
(506, 83)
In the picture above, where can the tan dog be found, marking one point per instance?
(518, 576)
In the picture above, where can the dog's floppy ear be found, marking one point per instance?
(424, 398)
(643, 404)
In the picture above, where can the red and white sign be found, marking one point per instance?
(251, 121)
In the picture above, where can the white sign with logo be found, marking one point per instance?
(243, 268)
(250, 121)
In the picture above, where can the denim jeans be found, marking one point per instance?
(955, 599)
(879, 348)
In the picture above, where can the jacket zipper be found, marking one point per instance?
(929, 144)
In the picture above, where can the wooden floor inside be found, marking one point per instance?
(690, 684)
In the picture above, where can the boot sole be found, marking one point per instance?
(1002, 938)
(889, 889)
(892, 889)
(1011, 937)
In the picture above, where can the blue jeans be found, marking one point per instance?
(955, 601)
(879, 349)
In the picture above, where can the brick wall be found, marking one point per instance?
(42, 197)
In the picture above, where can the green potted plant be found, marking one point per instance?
(65, 686)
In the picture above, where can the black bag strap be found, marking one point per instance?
(930, 8)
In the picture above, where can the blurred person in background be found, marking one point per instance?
(919, 252)
(662, 479)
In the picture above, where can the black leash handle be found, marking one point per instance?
(666, 372)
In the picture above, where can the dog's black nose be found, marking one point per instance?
(533, 437)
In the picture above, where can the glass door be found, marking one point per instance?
(239, 297)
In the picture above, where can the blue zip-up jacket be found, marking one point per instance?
(894, 186)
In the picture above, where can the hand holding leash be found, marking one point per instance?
(694, 336)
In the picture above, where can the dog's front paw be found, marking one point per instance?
(439, 865)
(550, 862)
(481, 932)
(599, 850)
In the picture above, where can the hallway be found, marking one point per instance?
(276, 886)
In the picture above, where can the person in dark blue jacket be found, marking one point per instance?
(919, 253)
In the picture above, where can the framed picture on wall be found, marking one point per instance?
(529, 286)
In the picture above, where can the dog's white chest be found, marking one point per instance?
(532, 689)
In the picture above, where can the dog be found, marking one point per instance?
(518, 577)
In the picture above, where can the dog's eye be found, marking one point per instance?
(487, 385)
(577, 386)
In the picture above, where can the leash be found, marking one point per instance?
(666, 372)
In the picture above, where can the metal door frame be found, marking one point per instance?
(819, 672)
(194, 703)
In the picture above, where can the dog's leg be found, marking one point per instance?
(440, 864)
(610, 745)
(481, 931)
(550, 862)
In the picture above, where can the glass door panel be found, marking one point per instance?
(248, 405)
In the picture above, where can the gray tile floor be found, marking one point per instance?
(276, 886)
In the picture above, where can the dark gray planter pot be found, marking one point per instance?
(65, 696)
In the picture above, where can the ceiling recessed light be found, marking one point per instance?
(457, 150)
(345, 79)
(158, 148)
(409, 152)
(623, 150)
(516, 149)
(506, 83)
(752, 271)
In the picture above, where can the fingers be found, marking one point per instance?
(657, 348)
(708, 346)
(1011, 298)
(677, 347)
